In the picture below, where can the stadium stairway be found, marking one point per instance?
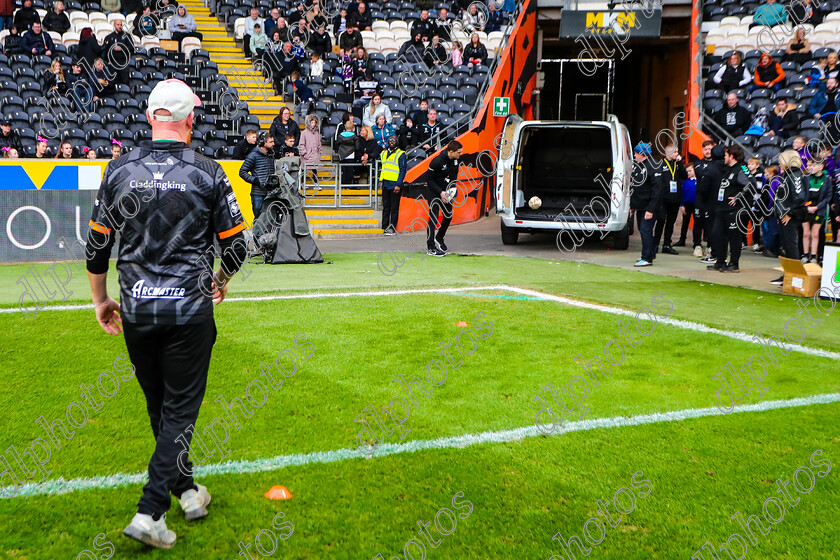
(223, 50)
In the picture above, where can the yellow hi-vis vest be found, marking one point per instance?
(390, 170)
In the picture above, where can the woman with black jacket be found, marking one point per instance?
(475, 52)
(348, 148)
(282, 125)
(89, 48)
(54, 78)
(408, 134)
(369, 147)
(12, 43)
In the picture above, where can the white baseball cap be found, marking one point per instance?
(176, 97)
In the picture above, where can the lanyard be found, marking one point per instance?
(673, 171)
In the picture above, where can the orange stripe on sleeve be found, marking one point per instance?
(99, 227)
(232, 231)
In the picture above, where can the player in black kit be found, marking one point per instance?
(168, 203)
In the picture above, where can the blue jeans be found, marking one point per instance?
(256, 204)
(770, 234)
(5, 22)
(646, 232)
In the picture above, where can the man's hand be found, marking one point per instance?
(648, 215)
(108, 315)
(785, 219)
(682, 210)
(731, 201)
(812, 209)
(48, 53)
(444, 197)
(396, 189)
(816, 115)
(771, 133)
(219, 292)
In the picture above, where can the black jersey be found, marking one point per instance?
(166, 202)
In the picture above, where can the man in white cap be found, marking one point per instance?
(168, 203)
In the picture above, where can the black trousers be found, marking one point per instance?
(180, 35)
(437, 205)
(726, 234)
(686, 219)
(790, 235)
(171, 363)
(390, 209)
(672, 209)
(701, 226)
(246, 44)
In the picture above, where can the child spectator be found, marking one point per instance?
(421, 115)
(246, 145)
(348, 146)
(116, 149)
(347, 71)
(316, 66)
(89, 153)
(768, 74)
(756, 179)
(828, 160)
(258, 41)
(304, 94)
(817, 77)
(289, 149)
(770, 226)
(361, 69)
(457, 54)
(820, 193)
(10, 153)
(13, 42)
(298, 49)
(409, 135)
(799, 144)
(310, 148)
(40, 147)
(65, 151)
(382, 131)
(689, 197)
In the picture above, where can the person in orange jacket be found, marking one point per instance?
(768, 74)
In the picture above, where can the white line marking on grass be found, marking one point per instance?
(689, 325)
(62, 486)
(699, 327)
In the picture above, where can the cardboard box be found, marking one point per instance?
(800, 279)
(169, 45)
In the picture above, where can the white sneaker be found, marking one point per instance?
(642, 262)
(698, 251)
(148, 531)
(194, 503)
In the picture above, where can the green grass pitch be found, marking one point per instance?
(522, 492)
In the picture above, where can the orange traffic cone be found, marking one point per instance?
(462, 324)
(278, 493)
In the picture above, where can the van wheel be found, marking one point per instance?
(509, 235)
(621, 239)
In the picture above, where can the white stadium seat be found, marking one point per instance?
(399, 24)
(70, 38)
(380, 24)
(239, 28)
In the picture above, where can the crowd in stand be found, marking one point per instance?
(786, 207)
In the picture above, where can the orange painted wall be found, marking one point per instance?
(516, 71)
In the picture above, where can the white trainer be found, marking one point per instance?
(194, 503)
(148, 531)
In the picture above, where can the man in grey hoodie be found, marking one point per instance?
(183, 25)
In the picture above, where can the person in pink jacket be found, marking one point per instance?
(310, 148)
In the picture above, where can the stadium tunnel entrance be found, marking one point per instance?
(645, 90)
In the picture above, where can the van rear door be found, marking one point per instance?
(508, 145)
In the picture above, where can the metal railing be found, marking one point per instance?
(466, 120)
(339, 178)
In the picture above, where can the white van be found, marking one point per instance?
(579, 170)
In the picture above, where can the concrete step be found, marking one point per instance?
(326, 233)
(343, 213)
(314, 201)
(353, 224)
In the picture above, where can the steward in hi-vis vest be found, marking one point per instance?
(392, 169)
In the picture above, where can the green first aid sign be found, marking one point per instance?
(501, 106)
